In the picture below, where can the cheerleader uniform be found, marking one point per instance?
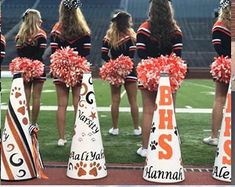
(221, 39)
(2, 48)
(80, 44)
(126, 47)
(148, 46)
(33, 52)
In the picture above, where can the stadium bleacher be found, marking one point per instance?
(196, 20)
(11, 9)
(12, 12)
(195, 17)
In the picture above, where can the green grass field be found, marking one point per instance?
(122, 148)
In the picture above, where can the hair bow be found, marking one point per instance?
(25, 14)
(224, 3)
(72, 4)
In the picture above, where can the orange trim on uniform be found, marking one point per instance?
(141, 47)
(144, 29)
(123, 40)
(177, 48)
(73, 41)
(219, 25)
(179, 32)
(216, 43)
(41, 33)
(130, 80)
(145, 25)
(132, 49)
(56, 29)
(144, 33)
(222, 30)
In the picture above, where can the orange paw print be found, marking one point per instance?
(16, 91)
(94, 168)
(22, 111)
(81, 169)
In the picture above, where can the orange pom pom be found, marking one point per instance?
(115, 71)
(30, 69)
(68, 65)
(221, 69)
(149, 71)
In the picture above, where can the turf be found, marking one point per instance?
(122, 148)
(194, 93)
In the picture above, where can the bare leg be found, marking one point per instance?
(219, 102)
(115, 92)
(62, 100)
(37, 90)
(131, 88)
(148, 109)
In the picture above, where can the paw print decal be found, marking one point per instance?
(95, 167)
(16, 92)
(22, 111)
(81, 169)
(153, 145)
(153, 128)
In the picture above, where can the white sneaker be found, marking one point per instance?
(142, 152)
(210, 141)
(61, 142)
(114, 131)
(137, 132)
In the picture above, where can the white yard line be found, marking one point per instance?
(43, 91)
(48, 91)
(103, 116)
(207, 130)
(123, 93)
(127, 109)
(208, 93)
(6, 74)
(5, 90)
(200, 85)
(189, 107)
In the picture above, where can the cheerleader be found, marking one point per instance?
(2, 48)
(159, 35)
(71, 30)
(31, 43)
(221, 40)
(120, 40)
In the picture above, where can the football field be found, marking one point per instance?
(193, 116)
